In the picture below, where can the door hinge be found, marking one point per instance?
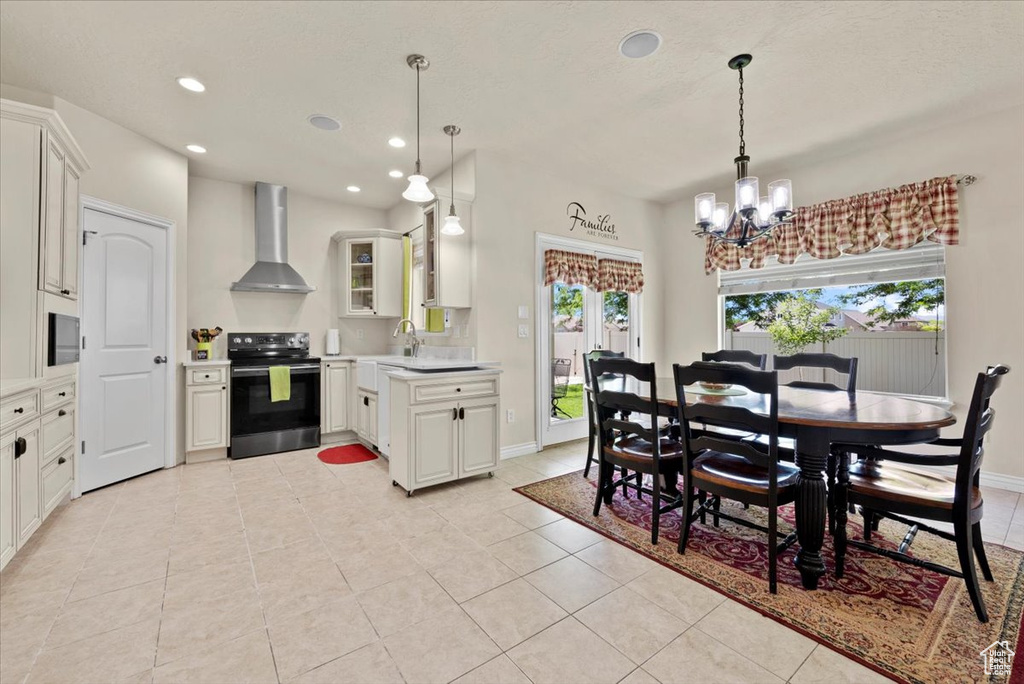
(83, 446)
(83, 341)
(87, 233)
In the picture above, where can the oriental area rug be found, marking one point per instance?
(908, 623)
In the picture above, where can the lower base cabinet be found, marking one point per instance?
(437, 436)
(206, 407)
(8, 510)
(21, 511)
(366, 416)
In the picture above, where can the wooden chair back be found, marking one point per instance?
(617, 382)
(839, 364)
(980, 418)
(597, 354)
(757, 412)
(758, 361)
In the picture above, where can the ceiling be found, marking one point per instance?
(539, 82)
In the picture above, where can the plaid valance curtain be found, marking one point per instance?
(894, 218)
(604, 275)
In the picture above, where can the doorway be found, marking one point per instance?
(571, 321)
(127, 363)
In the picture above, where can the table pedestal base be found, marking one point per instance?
(811, 458)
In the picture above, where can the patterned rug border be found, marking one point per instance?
(1016, 674)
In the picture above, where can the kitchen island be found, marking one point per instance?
(444, 425)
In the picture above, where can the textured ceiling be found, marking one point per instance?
(540, 82)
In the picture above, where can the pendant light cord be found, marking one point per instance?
(418, 118)
(452, 210)
(743, 144)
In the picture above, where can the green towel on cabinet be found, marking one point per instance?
(435, 320)
(280, 383)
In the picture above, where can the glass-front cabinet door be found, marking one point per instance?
(430, 238)
(362, 271)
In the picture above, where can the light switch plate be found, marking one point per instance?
(524, 331)
(524, 312)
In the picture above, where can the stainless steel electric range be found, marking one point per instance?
(259, 425)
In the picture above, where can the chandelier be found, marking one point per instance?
(418, 190)
(756, 215)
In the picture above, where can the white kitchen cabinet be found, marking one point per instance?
(72, 237)
(206, 418)
(27, 482)
(366, 416)
(447, 259)
(334, 404)
(8, 508)
(59, 234)
(370, 263)
(444, 428)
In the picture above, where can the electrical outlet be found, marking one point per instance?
(524, 331)
(359, 333)
(510, 416)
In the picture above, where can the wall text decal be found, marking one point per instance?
(601, 227)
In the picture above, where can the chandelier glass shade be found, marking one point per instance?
(755, 215)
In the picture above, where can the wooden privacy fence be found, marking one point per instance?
(898, 362)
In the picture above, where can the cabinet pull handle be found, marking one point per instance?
(62, 412)
(20, 447)
(366, 401)
(62, 394)
(65, 292)
(61, 460)
(462, 414)
(20, 409)
(455, 413)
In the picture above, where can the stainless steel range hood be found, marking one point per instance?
(271, 272)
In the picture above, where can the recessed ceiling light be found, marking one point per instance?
(395, 174)
(639, 44)
(396, 142)
(198, 149)
(353, 188)
(324, 122)
(189, 83)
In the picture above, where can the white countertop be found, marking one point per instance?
(191, 363)
(15, 385)
(420, 375)
(409, 363)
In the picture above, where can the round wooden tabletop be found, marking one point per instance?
(830, 409)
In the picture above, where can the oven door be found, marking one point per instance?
(260, 426)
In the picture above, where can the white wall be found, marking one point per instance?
(222, 246)
(984, 274)
(514, 202)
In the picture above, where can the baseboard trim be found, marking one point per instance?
(1011, 483)
(518, 450)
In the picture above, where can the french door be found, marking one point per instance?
(574, 320)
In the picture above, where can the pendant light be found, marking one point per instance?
(452, 226)
(418, 190)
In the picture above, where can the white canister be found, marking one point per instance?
(333, 345)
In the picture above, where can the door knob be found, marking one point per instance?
(159, 359)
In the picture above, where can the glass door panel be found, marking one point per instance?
(616, 328)
(361, 258)
(568, 341)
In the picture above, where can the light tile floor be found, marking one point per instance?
(282, 569)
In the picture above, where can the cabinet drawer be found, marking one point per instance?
(19, 408)
(58, 431)
(58, 394)
(476, 387)
(207, 376)
(56, 477)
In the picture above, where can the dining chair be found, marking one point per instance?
(884, 487)
(839, 364)
(559, 385)
(591, 415)
(758, 361)
(631, 443)
(744, 471)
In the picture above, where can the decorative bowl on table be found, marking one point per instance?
(715, 386)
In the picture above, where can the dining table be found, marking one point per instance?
(816, 419)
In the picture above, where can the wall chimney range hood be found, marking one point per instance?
(271, 272)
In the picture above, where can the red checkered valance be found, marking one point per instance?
(620, 276)
(894, 218)
(571, 268)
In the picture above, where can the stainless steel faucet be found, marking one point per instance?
(411, 333)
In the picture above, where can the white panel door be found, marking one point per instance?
(124, 369)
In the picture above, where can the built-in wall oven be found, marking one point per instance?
(259, 425)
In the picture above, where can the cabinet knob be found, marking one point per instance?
(65, 292)
(61, 460)
(224, 387)
(62, 394)
(207, 375)
(62, 412)
(20, 409)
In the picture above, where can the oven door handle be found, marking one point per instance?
(257, 370)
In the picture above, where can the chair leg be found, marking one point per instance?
(702, 498)
(830, 500)
(590, 452)
(773, 551)
(687, 511)
(841, 512)
(979, 551)
(869, 522)
(655, 506)
(717, 506)
(602, 473)
(962, 530)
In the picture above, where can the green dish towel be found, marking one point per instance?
(435, 320)
(280, 383)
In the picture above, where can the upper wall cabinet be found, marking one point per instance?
(370, 266)
(447, 259)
